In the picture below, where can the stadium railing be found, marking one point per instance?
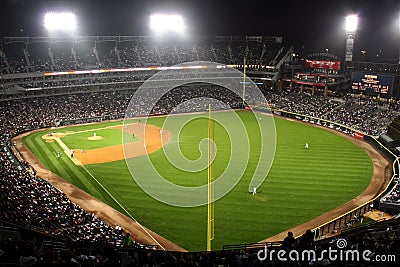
(252, 246)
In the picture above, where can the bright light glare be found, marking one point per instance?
(351, 23)
(59, 21)
(399, 23)
(166, 23)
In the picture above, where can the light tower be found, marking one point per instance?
(162, 24)
(351, 28)
(59, 22)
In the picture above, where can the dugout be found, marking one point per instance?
(388, 141)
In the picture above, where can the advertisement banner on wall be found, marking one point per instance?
(322, 64)
(359, 135)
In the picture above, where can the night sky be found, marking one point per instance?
(311, 26)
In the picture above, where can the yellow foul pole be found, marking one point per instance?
(244, 82)
(210, 189)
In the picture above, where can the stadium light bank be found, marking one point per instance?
(167, 24)
(59, 22)
(351, 23)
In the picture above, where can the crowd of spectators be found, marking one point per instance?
(20, 115)
(27, 200)
(188, 98)
(305, 104)
(382, 240)
(367, 115)
(393, 197)
(64, 56)
(371, 244)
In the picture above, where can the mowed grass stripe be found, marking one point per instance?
(46, 152)
(69, 171)
(42, 152)
(155, 215)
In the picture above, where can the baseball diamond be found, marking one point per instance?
(314, 170)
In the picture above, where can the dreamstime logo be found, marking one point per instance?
(157, 92)
(331, 254)
(341, 243)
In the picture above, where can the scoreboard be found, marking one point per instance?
(372, 83)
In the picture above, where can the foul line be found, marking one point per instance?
(90, 130)
(97, 129)
(63, 146)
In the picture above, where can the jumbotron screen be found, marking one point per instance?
(372, 83)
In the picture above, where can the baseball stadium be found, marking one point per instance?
(141, 151)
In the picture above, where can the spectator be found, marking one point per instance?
(289, 241)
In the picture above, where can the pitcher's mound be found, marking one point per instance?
(94, 138)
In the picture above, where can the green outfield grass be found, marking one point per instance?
(301, 185)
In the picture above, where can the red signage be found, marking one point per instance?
(323, 64)
(359, 135)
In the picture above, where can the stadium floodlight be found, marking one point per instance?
(351, 23)
(59, 21)
(160, 24)
(351, 28)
